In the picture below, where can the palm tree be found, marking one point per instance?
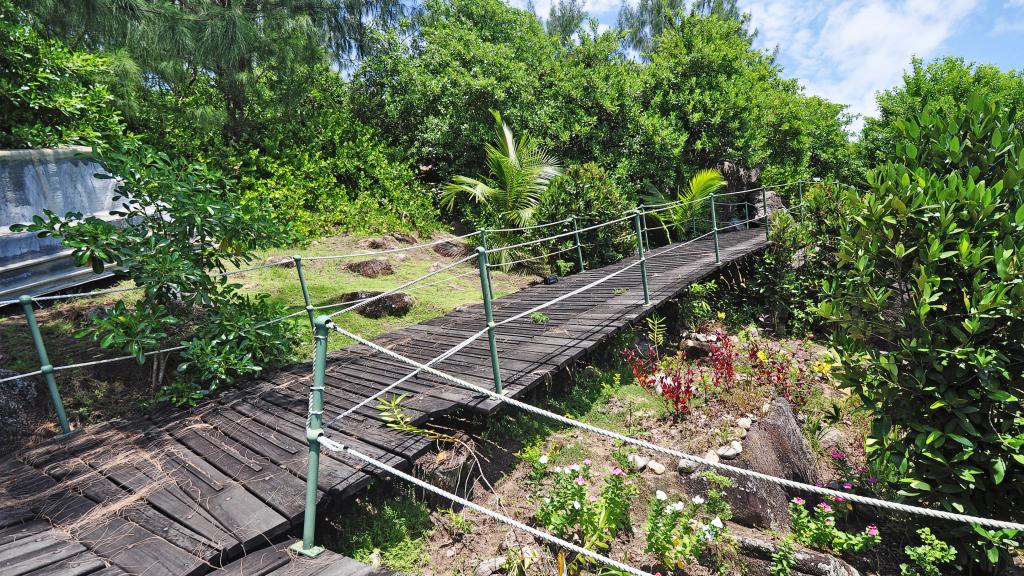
(520, 172)
(679, 216)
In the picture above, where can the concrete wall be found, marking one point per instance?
(60, 180)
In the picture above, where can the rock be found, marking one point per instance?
(766, 407)
(23, 404)
(490, 566)
(451, 249)
(775, 445)
(833, 438)
(731, 451)
(740, 433)
(284, 261)
(656, 467)
(400, 257)
(371, 268)
(687, 466)
(380, 243)
(436, 266)
(711, 456)
(375, 558)
(397, 304)
(758, 551)
(744, 423)
(404, 238)
(637, 461)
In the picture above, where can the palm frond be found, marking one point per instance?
(479, 191)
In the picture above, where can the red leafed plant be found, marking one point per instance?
(722, 356)
(773, 368)
(643, 363)
(671, 378)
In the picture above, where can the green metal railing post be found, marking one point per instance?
(483, 242)
(485, 288)
(44, 363)
(800, 195)
(305, 290)
(579, 248)
(764, 202)
(314, 430)
(643, 218)
(714, 225)
(640, 253)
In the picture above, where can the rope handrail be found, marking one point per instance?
(413, 289)
(531, 258)
(347, 450)
(867, 500)
(558, 236)
(390, 250)
(533, 227)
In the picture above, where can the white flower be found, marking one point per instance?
(547, 500)
(576, 504)
(698, 500)
(558, 469)
(661, 495)
(575, 467)
(717, 523)
(543, 459)
(678, 506)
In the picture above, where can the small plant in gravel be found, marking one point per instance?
(783, 559)
(679, 532)
(578, 508)
(818, 529)
(928, 558)
(539, 318)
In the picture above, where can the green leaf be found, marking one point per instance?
(998, 470)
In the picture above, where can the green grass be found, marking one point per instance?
(395, 526)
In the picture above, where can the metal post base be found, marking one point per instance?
(307, 552)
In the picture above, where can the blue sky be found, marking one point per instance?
(846, 50)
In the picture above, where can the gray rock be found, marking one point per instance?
(397, 304)
(489, 566)
(712, 457)
(744, 423)
(740, 433)
(759, 550)
(403, 237)
(638, 462)
(451, 249)
(833, 438)
(731, 451)
(371, 268)
(687, 466)
(380, 243)
(23, 403)
(656, 467)
(285, 261)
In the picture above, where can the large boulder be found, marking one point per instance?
(775, 446)
(757, 551)
(371, 268)
(397, 304)
(451, 249)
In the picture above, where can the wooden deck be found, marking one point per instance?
(219, 488)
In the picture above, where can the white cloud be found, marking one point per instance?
(847, 50)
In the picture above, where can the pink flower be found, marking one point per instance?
(824, 507)
(872, 530)
(617, 472)
(798, 500)
(847, 486)
(872, 480)
(587, 462)
(836, 454)
(592, 498)
(580, 480)
(840, 499)
(628, 483)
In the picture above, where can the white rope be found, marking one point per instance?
(390, 251)
(402, 286)
(20, 376)
(80, 294)
(520, 261)
(557, 236)
(999, 524)
(525, 228)
(342, 449)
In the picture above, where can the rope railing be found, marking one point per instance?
(343, 449)
(800, 486)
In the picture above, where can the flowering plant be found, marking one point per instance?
(577, 509)
(678, 532)
(818, 529)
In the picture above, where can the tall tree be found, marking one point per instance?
(231, 44)
(645, 22)
(565, 18)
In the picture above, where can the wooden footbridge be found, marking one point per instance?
(220, 489)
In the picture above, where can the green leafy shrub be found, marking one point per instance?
(588, 193)
(818, 529)
(678, 533)
(928, 558)
(50, 95)
(183, 225)
(929, 314)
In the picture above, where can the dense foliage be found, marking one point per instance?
(928, 307)
(50, 95)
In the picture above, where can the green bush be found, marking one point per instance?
(50, 95)
(588, 193)
(928, 305)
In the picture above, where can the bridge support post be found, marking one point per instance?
(44, 364)
(643, 221)
(643, 258)
(305, 290)
(483, 242)
(800, 195)
(485, 288)
(314, 424)
(579, 247)
(714, 226)
(764, 202)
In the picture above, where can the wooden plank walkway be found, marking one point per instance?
(218, 488)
